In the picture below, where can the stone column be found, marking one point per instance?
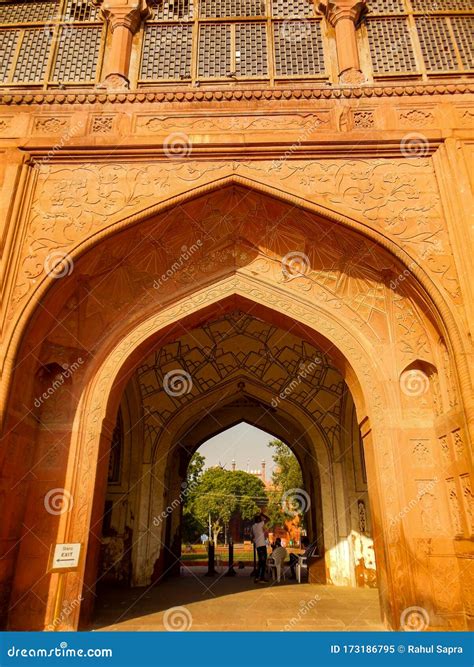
(124, 18)
(344, 16)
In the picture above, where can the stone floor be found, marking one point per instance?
(237, 603)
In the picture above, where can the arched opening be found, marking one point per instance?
(293, 499)
(337, 298)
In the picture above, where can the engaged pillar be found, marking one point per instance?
(344, 16)
(124, 18)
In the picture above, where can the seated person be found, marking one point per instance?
(309, 550)
(279, 553)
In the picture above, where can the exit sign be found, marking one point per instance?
(66, 557)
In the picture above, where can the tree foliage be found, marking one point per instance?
(286, 476)
(195, 469)
(221, 494)
(192, 527)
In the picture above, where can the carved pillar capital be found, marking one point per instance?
(344, 16)
(124, 13)
(124, 18)
(353, 10)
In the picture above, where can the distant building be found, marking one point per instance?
(239, 529)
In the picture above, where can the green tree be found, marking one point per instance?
(195, 469)
(286, 476)
(222, 493)
(192, 528)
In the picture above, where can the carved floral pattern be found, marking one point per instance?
(102, 124)
(458, 444)
(444, 446)
(51, 125)
(397, 197)
(428, 503)
(364, 119)
(468, 500)
(302, 123)
(5, 123)
(421, 452)
(454, 506)
(416, 117)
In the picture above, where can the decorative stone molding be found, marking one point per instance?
(124, 18)
(344, 16)
(201, 95)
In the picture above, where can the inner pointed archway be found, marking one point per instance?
(232, 369)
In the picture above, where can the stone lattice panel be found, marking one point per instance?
(292, 8)
(463, 29)
(8, 42)
(78, 54)
(436, 43)
(33, 57)
(26, 12)
(298, 48)
(167, 52)
(81, 10)
(181, 10)
(214, 50)
(391, 49)
(251, 42)
(386, 6)
(430, 6)
(234, 8)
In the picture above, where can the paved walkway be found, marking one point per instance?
(236, 603)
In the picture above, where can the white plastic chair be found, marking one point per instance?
(276, 568)
(302, 563)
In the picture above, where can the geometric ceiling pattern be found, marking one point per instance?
(233, 347)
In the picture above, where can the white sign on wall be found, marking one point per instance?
(66, 557)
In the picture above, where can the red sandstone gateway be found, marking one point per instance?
(197, 202)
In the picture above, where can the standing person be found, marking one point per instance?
(259, 539)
